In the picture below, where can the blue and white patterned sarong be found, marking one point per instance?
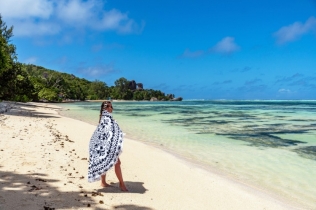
(105, 147)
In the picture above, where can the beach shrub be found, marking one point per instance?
(48, 94)
(21, 98)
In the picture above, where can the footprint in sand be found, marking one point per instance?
(28, 164)
(48, 208)
(33, 187)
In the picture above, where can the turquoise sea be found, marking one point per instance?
(270, 145)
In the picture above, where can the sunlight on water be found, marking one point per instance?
(270, 144)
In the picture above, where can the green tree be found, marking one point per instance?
(15, 83)
(122, 84)
(138, 95)
(48, 94)
(98, 90)
(5, 59)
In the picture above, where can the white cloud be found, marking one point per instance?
(226, 46)
(20, 9)
(97, 70)
(48, 17)
(29, 28)
(76, 11)
(295, 31)
(112, 19)
(118, 21)
(284, 90)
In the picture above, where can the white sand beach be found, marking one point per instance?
(44, 160)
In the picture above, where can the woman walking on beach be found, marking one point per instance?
(105, 147)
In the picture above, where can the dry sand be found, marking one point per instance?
(43, 165)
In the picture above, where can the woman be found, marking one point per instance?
(105, 147)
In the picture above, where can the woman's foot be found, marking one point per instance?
(103, 181)
(123, 187)
(104, 184)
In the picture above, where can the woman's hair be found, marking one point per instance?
(105, 105)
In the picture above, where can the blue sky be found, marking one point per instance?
(195, 49)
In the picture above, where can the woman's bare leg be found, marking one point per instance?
(103, 181)
(119, 175)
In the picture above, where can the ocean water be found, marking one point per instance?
(270, 145)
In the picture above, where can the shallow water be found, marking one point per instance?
(268, 144)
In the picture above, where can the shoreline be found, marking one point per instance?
(151, 181)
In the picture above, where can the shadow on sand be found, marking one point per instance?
(20, 109)
(133, 187)
(33, 191)
(131, 207)
(37, 104)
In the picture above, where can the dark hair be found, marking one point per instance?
(105, 105)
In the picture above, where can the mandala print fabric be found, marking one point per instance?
(105, 147)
